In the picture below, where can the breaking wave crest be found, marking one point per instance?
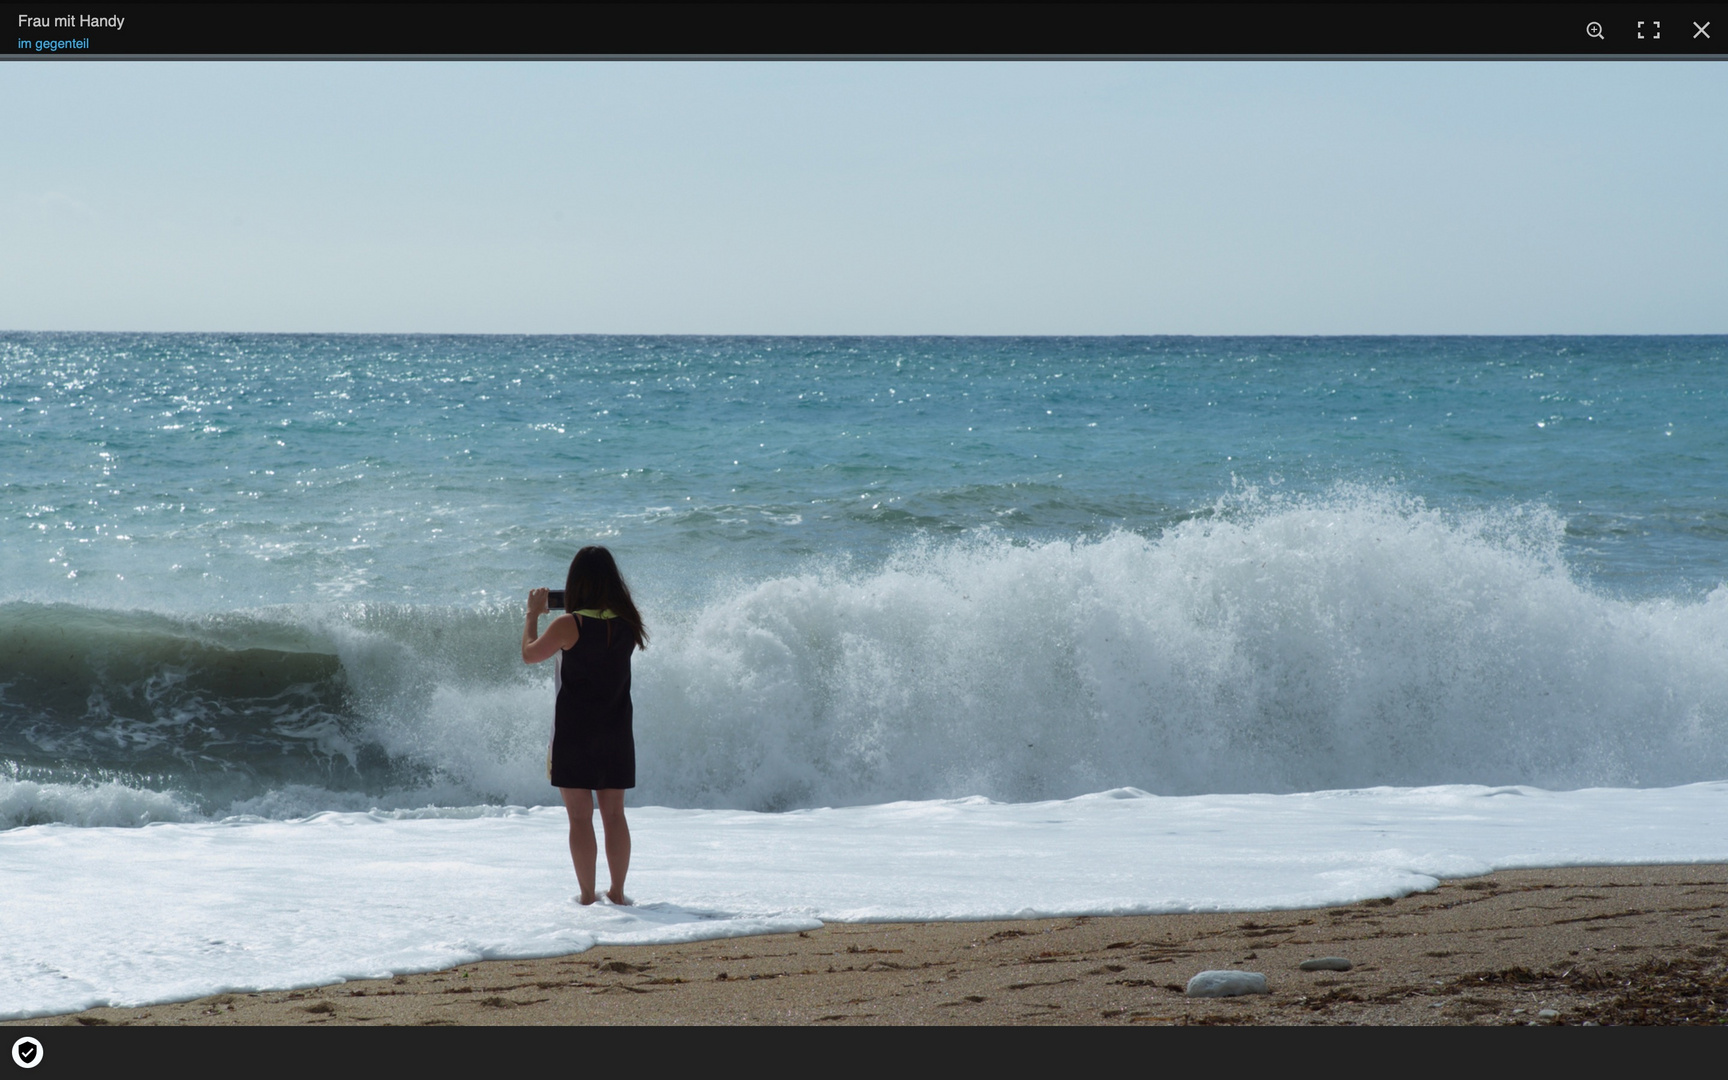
(1270, 645)
(1355, 641)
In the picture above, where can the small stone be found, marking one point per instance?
(1326, 963)
(1547, 1014)
(1227, 984)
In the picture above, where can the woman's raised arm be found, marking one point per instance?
(561, 634)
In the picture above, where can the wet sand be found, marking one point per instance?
(1608, 945)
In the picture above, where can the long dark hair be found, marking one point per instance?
(594, 582)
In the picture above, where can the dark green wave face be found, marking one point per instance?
(159, 701)
(348, 705)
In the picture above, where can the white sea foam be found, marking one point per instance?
(1356, 640)
(1361, 640)
(177, 910)
(25, 802)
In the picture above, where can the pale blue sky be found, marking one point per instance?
(878, 198)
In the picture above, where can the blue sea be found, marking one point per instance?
(277, 575)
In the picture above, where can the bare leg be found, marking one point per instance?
(579, 802)
(617, 842)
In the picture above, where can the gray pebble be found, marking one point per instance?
(1326, 963)
(1227, 984)
(1547, 1014)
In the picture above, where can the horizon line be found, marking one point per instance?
(900, 335)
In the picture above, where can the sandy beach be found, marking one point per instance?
(1606, 945)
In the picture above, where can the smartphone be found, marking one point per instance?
(555, 599)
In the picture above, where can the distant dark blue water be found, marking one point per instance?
(284, 572)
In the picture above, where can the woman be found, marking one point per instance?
(593, 752)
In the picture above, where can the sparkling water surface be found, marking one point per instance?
(196, 471)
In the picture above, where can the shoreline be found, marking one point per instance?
(1615, 944)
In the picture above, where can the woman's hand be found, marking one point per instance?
(560, 635)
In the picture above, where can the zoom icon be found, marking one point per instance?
(27, 1052)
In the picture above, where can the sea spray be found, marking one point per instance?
(24, 802)
(1357, 640)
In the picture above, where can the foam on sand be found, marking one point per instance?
(250, 904)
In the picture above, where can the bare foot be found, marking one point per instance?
(617, 897)
(586, 899)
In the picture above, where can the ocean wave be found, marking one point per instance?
(25, 802)
(1276, 645)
